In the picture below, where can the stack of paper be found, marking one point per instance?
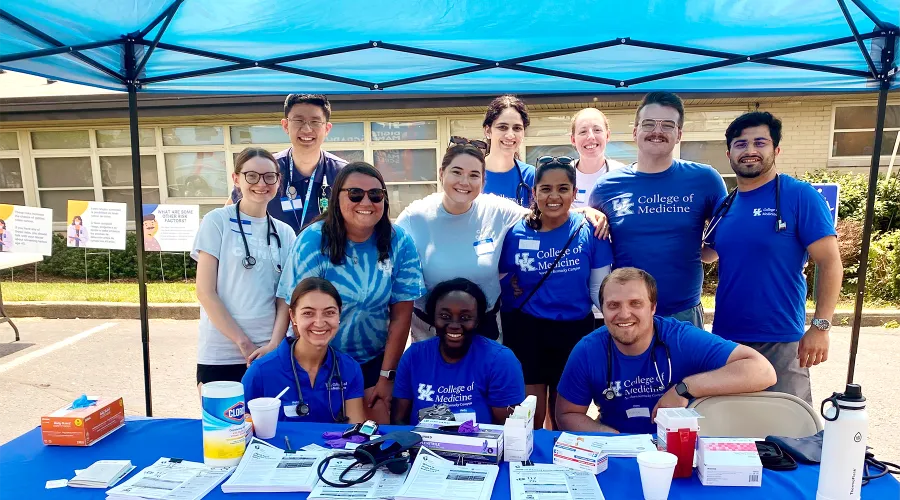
(625, 446)
(537, 481)
(268, 469)
(101, 474)
(383, 484)
(171, 479)
(436, 478)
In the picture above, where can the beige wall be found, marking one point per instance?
(806, 134)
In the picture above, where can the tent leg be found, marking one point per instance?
(130, 65)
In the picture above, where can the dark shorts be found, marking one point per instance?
(543, 346)
(226, 373)
(371, 371)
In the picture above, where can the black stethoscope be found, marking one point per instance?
(610, 392)
(722, 210)
(249, 260)
(522, 186)
(302, 407)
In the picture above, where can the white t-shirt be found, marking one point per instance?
(248, 294)
(584, 183)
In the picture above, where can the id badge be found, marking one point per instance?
(639, 412)
(290, 205)
(529, 244)
(464, 415)
(484, 247)
(581, 195)
(290, 410)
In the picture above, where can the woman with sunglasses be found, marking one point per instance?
(477, 378)
(557, 267)
(324, 384)
(504, 125)
(376, 270)
(240, 251)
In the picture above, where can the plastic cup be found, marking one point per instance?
(265, 416)
(657, 468)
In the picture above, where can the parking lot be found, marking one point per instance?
(58, 360)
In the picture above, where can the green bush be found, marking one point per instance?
(883, 273)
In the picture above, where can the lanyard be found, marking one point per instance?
(309, 187)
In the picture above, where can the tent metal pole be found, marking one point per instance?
(170, 13)
(887, 61)
(130, 66)
(871, 15)
(859, 42)
(33, 54)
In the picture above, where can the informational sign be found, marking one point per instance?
(96, 224)
(170, 228)
(26, 229)
(832, 194)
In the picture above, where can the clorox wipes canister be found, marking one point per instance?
(224, 433)
(844, 445)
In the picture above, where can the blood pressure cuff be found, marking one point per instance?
(806, 450)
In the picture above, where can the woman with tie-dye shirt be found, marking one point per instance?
(375, 267)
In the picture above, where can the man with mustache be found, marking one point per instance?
(764, 233)
(658, 206)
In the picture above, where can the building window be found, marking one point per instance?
(11, 186)
(854, 131)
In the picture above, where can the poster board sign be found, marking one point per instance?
(96, 224)
(832, 194)
(170, 228)
(26, 229)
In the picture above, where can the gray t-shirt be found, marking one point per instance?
(248, 294)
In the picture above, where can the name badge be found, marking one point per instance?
(581, 195)
(484, 247)
(290, 410)
(638, 412)
(464, 415)
(529, 244)
(290, 205)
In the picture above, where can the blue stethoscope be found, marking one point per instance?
(722, 211)
(302, 407)
(522, 186)
(249, 260)
(322, 200)
(610, 392)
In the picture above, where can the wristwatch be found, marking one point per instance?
(682, 389)
(389, 374)
(821, 324)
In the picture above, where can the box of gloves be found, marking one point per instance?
(83, 422)
(729, 462)
(483, 446)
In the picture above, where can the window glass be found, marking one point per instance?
(710, 121)
(861, 143)
(708, 152)
(347, 132)
(470, 128)
(399, 165)
(10, 173)
(121, 138)
(12, 198)
(404, 131)
(61, 139)
(64, 172)
(400, 196)
(8, 141)
(116, 171)
(192, 136)
(59, 201)
(532, 153)
(351, 155)
(258, 134)
(126, 196)
(196, 174)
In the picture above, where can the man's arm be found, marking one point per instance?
(572, 417)
(824, 252)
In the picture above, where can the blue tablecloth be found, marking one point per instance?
(26, 464)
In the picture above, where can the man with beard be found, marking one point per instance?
(477, 378)
(658, 206)
(764, 232)
(639, 362)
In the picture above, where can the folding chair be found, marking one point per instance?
(756, 414)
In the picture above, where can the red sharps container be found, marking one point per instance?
(676, 430)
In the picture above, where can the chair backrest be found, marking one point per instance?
(757, 414)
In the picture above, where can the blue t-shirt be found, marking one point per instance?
(762, 289)
(634, 378)
(270, 374)
(565, 295)
(508, 184)
(488, 376)
(656, 222)
(328, 167)
(368, 287)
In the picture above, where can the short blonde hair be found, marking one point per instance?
(577, 115)
(623, 275)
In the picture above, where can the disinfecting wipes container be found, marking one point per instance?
(224, 433)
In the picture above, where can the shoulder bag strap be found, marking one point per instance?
(552, 266)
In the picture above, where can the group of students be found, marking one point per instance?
(497, 276)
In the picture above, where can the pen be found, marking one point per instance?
(287, 442)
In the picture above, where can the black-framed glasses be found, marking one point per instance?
(562, 160)
(649, 125)
(462, 141)
(253, 177)
(376, 195)
(300, 123)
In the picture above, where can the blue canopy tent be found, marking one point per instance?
(457, 47)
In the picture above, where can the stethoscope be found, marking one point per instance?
(610, 393)
(249, 260)
(302, 407)
(322, 201)
(522, 186)
(722, 210)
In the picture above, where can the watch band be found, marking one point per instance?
(682, 390)
(389, 374)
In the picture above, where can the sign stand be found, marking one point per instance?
(108, 254)
(162, 270)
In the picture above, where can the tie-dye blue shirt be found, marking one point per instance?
(367, 287)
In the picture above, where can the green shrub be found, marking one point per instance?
(883, 273)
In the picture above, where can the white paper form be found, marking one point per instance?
(551, 482)
(383, 485)
(625, 445)
(265, 468)
(169, 479)
(436, 478)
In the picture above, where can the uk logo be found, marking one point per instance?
(757, 212)
(622, 205)
(617, 388)
(425, 392)
(525, 262)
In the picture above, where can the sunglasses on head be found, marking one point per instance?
(462, 141)
(376, 195)
(562, 160)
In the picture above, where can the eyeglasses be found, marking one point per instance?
(562, 160)
(253, 177)
(649, 125)
(462, 141)
(356, 194)
(300, 123)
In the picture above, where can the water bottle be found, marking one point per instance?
(844, 445)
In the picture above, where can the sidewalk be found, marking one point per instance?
(121, 310)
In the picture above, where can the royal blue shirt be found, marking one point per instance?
(510, 185)
(656, 222)
(270, 374)
(281, 207)
(634, 378)
(528, 254)
(488, 376)
(761, 295)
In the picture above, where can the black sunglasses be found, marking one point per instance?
(562, 160)
(376, 195)
(462, 141)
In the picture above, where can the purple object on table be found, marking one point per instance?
(341, 443)
(469, 427)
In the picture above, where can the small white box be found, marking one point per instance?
(729, 462)
(518, 439)
(580, 453)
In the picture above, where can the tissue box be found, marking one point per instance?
(729, 462)
(83, 426)
(485, 447)
(518, 435)
(580, 453)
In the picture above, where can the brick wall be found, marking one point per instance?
(805, 134)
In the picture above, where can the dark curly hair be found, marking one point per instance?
(455, 285)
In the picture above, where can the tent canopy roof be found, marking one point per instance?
(452, 46)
